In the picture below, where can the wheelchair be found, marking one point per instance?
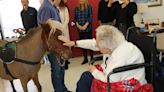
(153, 69)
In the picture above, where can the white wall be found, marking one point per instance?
(10, 15)
(156, 12)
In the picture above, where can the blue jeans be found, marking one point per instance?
(57, 73)
(84, 84)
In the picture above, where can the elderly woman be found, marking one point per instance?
(110, 41)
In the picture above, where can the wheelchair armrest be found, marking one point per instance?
(130, 67)
(125, 68)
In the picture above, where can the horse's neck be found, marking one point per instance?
(31, 48)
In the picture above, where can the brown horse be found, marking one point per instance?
(29, 52)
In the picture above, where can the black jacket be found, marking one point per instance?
(29, 18)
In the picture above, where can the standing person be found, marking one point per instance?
(107, 10)
(83, 21)
(28, 15)
(109, 40)
(46, 11)
(64, 16)
(125, 15)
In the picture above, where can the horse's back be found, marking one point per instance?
(2, 42)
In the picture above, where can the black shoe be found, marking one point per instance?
(92, 61)
(85, 61)
(68, 91)
(91, 58)
(68, 62)
(66, 66)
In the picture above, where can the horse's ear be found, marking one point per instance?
(45, 27)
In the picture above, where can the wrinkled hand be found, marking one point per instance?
(66, 41)
(91, 68)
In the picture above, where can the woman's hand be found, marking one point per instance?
(91, 68)
(50, 22)
(84, 27)
(55, 24)
(66, 41)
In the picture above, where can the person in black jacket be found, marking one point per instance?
(125, 15)
(28, 15)
(107, 12)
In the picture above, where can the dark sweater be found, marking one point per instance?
(29, 18)
(125, 15)
(107, 14)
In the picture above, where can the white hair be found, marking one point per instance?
(109, 37)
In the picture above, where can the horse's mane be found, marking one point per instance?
(30, 33)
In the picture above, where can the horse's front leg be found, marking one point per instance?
(12, 85)
(24, 82)
(36, 81)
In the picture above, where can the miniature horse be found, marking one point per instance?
(29, 52)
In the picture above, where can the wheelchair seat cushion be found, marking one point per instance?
(131, 85)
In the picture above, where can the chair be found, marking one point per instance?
(159, 35)
(132, 30)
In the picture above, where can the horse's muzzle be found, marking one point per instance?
(67, 55)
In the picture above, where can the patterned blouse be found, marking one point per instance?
(83, 16)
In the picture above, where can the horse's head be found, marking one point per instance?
(53, 44)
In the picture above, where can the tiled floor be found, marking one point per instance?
(71, 78)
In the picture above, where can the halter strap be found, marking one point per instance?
(26, 62)
(7, 71)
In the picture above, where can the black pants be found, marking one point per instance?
(123, 28)
(86, 35)
(84, 84)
